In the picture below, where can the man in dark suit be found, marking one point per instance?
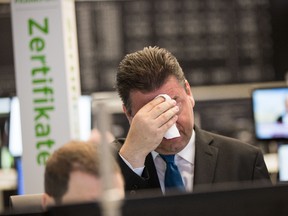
(201, 157)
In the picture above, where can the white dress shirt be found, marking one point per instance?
(184, 160)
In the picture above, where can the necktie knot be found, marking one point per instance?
(173, 179)
(168, 158)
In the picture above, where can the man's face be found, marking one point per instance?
(185, 122)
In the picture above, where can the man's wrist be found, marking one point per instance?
(131, 156)
(137, 170)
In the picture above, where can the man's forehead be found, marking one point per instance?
(140, 99)
(148, 96)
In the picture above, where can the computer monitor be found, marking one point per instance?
(270, 112)
(249, 201)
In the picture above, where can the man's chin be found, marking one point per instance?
(170, 146)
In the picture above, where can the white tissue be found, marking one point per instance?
(172, 131)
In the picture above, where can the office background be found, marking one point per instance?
(225, 47)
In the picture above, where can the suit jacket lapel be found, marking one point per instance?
(205, 158)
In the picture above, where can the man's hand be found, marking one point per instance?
(147, 129)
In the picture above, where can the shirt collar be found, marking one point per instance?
(188, 153)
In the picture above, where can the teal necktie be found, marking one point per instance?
(173, 179)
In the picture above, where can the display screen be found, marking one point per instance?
(270, 112)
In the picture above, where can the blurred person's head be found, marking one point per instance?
(72, 175)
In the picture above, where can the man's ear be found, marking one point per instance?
(128, 116)
(47, 201)
(189, 92)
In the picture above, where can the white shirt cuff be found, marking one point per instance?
(138, 170)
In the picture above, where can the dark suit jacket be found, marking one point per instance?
(218, 159)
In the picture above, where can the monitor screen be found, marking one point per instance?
(270, 112)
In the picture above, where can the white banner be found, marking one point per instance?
(47, 80)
